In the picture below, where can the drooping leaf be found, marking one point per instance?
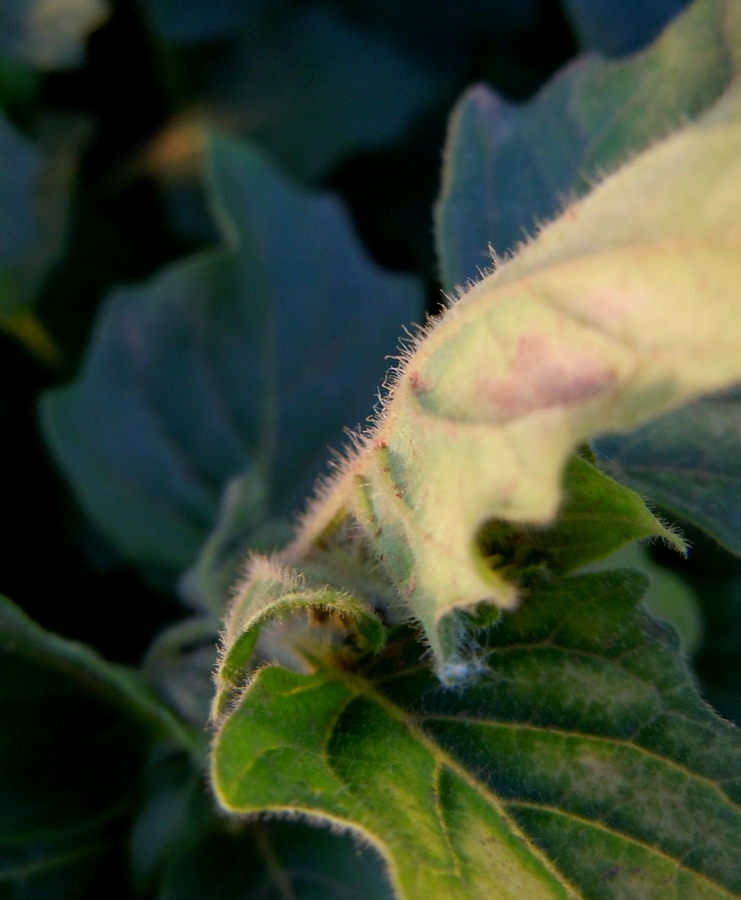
(616, 314)
(75, 731)
(689, 461)
(330, 622)
(580, 763)
(225, 363)
(502, 178)
(616, 27)
(49, 34)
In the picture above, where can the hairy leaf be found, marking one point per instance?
(580, 763)
(227, 363)
(331, 621)
(616, 314)
(502, 179)
(689, 461)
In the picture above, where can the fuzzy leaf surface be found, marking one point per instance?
(224, 364)
(689, 462)
(501, 179)
(581, 763)
(616, 314)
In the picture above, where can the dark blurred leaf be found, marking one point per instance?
(49, 34)
(19, 85)
(312, 89)
(689, 462)
(35, 186)
(191, 21)
(175, 810)
(615, 27)
(508, 167)
(445, 33)
(244, 502)
(274, 861)
(248, 358)
(179, 665)
(74, 733)
(719, 661)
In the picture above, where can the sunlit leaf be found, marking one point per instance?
(616, 314)
(502, 178)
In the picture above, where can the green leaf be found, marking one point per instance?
(616, 314)
(501, 178)
(669, 596)
(225, 363)
(689, 462)
(596, 517)
(312, 89)
(75, 731)
(615, 27)
(581, 762)
(330, 624)
(49, 35)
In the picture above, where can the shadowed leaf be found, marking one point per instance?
(227, 363)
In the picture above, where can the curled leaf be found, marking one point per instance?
(617, 313)
(316, 622)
